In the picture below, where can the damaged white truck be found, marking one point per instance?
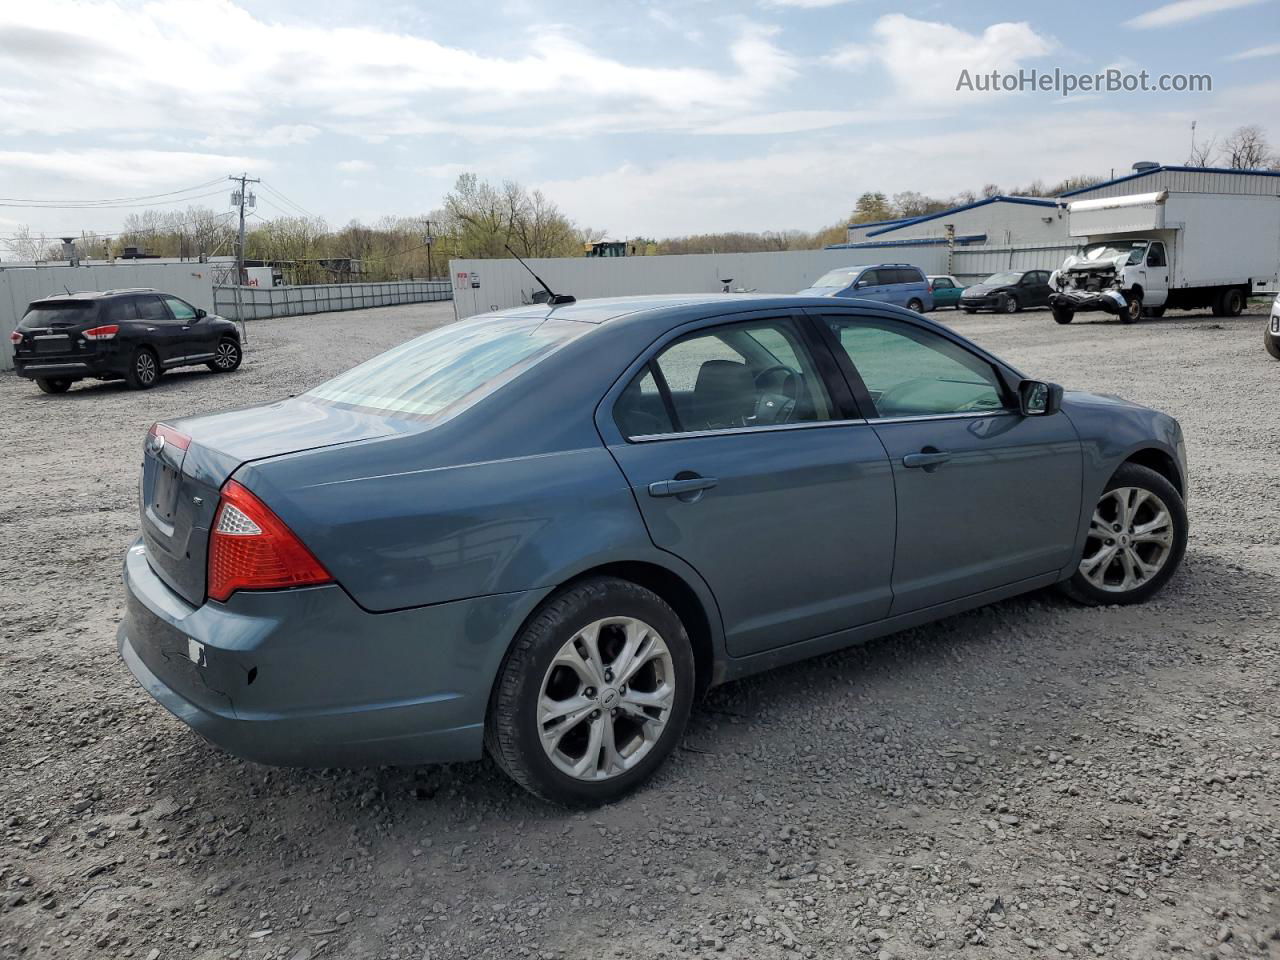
(1145, 253)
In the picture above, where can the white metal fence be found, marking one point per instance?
(191, 281)
(256, 303)
(482, 285)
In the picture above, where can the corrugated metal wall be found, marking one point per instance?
(20, 285)
(504, 283)
(261, 302)
(1187, 181)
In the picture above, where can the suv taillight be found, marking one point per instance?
(105, 332)
(250, 548)
(15, 337)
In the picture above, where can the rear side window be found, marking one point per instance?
(449, 369)
(150, 308)
(119, 311)
(58, 314)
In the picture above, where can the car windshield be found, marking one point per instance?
(1133, 252)
(56, 314)
(836, 278)
(1003, 279)
(447, 370)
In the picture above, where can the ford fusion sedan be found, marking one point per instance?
(131, 335)
(542, 533)
(1008, 292)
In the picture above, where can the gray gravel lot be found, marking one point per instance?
(1030, 779)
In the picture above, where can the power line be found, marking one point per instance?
(90, 203)
(291, 203)
(106, 206)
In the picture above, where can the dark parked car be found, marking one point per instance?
(1008, 292)
(131, 335)
(542, 533)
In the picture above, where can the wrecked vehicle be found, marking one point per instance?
(1145, 253)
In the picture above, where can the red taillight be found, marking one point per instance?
(105, 332)
(169, 435)
(15, 337)
(250, 548)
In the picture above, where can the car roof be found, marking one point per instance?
(94, 294)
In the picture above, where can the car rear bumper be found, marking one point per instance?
(307, 678)
(36, 367)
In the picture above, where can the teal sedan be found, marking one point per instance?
(946, 291)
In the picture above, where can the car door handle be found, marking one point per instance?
(676, 488)
(926, 458)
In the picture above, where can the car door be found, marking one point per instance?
(747, 462)
(1156, 292)
(160, 330)
(197, 338)
(986, 497)
(945, 293)
(873, 285)
(1042, 288)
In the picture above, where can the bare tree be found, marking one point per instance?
(25, 245)
(1203, 154)
(1247, 149)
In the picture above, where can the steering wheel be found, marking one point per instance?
(770, 369)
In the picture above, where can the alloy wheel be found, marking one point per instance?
(606, 698)
(146, 368)
(1130, 538)
(225, 356)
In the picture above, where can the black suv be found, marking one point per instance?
(131, 335)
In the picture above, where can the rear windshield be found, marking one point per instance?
(449, 369)
(836, 278)
(57, 314)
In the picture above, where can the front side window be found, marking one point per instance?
(1155, 256)
(911, 372)
(447, 370)
(180, 309)
(756, 374)
(942, 283)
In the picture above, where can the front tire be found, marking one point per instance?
(1131, 312)
(226, 357)
(54, 384)
(1136, 541)
(593, 694)
(1063, 315)
(144, 369)
(1009, 303)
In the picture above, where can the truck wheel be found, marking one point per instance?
(1271, 342)
(1131, 312)
(54, 384)
(1230, 303)
(1063, 314)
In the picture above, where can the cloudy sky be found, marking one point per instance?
(661, 117)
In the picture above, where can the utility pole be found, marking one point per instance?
(240, 198)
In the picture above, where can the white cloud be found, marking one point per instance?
(925, 59)
(1269, 50)
(360, 76)
(354, 166)
(1185, 10)
(805, 4)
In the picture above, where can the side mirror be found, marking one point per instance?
(200, 313)
(1039, 399)
(861, 283)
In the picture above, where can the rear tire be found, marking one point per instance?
(144, 369)
(226, 357)
(1063, 315)
(1229, 303)
(545, 665)
(1103, 561)
(915, 305)
(54, 384)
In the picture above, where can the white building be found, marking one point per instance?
(994, 221)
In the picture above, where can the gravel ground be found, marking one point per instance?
(1030, 779)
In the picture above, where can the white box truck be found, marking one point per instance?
(1144, 253)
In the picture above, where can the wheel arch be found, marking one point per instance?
(1153, 458)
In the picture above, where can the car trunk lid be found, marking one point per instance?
(186, 462)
